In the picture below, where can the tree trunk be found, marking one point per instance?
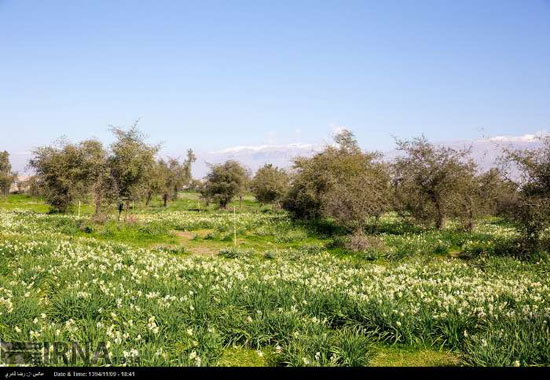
(120, 208)
(440, 223)
(148, 199)
(470, 225)
(127, 209)
(165, 199)
(97, 205)
(175, 195)
(441, 217)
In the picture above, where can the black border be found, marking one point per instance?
(259, 373)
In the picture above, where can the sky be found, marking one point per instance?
(212, 75)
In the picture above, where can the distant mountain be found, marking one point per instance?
(253, 157)
(485, 152)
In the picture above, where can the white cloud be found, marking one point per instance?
(512, 139)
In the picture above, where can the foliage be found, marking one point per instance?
(341, 182)
(131, 163)
(7, 177)
(66, 172)
(428, 180)
(224, 182)
(482, 195)
(269, 184)
(531, 208)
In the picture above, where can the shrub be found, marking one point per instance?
(234, 253)
(364, 243)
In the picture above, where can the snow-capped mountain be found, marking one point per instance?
(484, 151)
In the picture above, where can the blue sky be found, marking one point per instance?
(215, 74)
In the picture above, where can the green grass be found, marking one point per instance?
(23, 202)
(290, 294)
(403, 356)
(244, 357)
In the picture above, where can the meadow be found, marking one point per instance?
(190, 285)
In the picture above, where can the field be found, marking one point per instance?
(173, 287)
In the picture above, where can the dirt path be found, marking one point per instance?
(195, 247)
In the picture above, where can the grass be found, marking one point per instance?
(403, 356)
(23, 202)
(244, 357)
(170, 284)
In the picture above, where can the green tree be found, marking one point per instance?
(482, 195)
(341, 182)
(7, 176)
(169, 177)
(96, 175)
(224, 182)
(352, 200)
(60, 173)
(157, 181)
(315, 177)
(531, 208)
(131, 162)
(427, 179)
(269, 184)
(181, 173)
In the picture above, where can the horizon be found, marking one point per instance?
(485, 152)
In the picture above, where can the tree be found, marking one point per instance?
(96, 174)
(169, 177)
(187, 176)
(224, 182)
(341, 182)
(353, 200)
(181, 173)
(427, 179)
(481, 195)
(131, 164)
(61, 174)
(531, 209)
(7, 177)
(269, 184)
(156, 182)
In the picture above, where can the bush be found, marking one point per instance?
(290, 236)
(86, 227)
(478, 248)
(270, 255)
(234, 253)
(364, 243)
(175, 250)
